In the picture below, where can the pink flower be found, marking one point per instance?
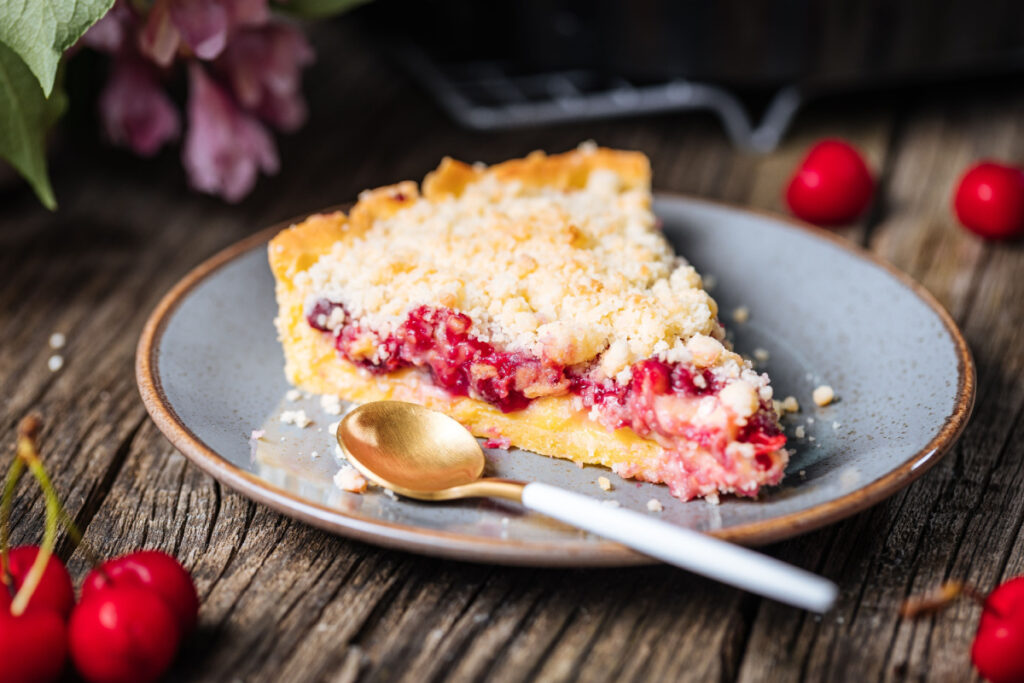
(203, 25)
(107, 34)
(136, 112)
(225, 148)
(264, 66)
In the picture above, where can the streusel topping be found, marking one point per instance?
(565, 275)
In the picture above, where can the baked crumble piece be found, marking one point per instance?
(535, 301)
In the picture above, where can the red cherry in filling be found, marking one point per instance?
(831, 186)
(123, 634)
(154, 571)
(33, 646)
(54, 591)
(998, 649)
(989, 200)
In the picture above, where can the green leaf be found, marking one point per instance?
(25, 115)
(40, 30)
(316, 9)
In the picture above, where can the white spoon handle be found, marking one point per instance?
(685, 548)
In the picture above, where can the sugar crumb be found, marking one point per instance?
(836, 425)
(823, 395)
(654, 505)
(55, 363)
(800, 432)
(604, 483)
(293, 395)
(295, 417)
(257, 434)
(314, 455)
(333, 428)
(349, 479)
(57, 340)
(331, 404)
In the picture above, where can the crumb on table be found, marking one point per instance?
(55, 363)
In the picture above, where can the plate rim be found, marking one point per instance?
(454, 545)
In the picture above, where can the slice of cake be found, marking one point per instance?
(535, 301)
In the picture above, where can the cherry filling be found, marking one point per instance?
(439, 341)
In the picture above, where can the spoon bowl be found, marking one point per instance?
(418, 453)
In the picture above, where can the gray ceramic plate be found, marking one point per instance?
(209, 370)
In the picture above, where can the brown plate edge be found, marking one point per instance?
(562, 554)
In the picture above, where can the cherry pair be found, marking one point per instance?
(833, 185)
(134, 611)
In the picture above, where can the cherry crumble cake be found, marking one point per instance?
(537, 302)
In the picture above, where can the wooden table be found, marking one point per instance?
(283, 601)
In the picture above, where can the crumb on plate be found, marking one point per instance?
(823, 395)
(295, 417)
(349, 479)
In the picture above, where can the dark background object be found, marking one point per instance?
(504, 65)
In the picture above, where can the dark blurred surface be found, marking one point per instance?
(731, 42)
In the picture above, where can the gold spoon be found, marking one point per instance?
(423, 454)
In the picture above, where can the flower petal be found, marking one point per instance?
(203, 25)
(159, 38)
(225, 148)
(136, 111)
(247, 12)
(264, 66)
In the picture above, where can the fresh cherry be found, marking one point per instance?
(998, 649)
(831, 186)
(155, 571)
(54, 591)
(989, 200)
(123, 634)
(33, 646)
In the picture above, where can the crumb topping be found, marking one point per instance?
(567, 275)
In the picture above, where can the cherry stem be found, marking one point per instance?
(10, 484)
(28, 453)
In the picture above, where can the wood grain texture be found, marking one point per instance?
(285, 602)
